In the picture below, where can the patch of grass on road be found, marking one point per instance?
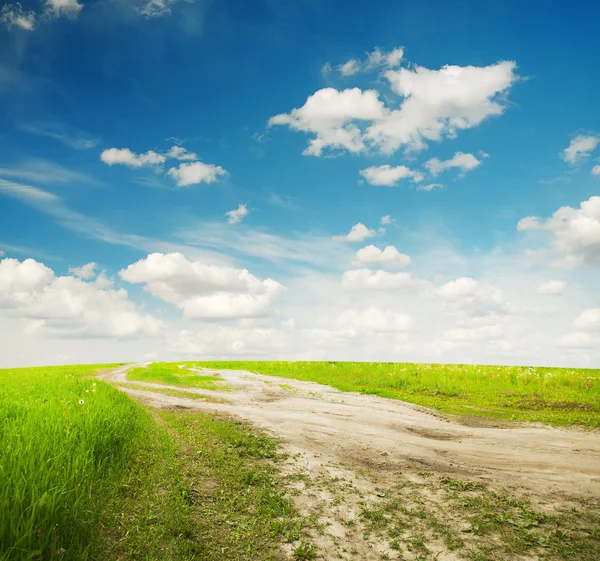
(172, 392)
(169, 374)
(557, 396)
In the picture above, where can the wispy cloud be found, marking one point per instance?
(89, 227)
(75, 138)
(282, 201)
(43, 171)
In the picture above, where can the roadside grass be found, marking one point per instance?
(202, 487)
(174, 393)
(169, 373)
(65, 443)
(557, 396)
(87, 474)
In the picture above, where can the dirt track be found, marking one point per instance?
(347, 435)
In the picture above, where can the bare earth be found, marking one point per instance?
(353, 447)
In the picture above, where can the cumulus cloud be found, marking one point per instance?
(13, 15)
(329, 114)
(124, 156)
(552, 287)
(460, 160)
(435, 104)
(180, 153)
(374, 320)
(86, 271)
(204, 291)
(358, 233)
(64, 8)
(589, 319)
(575, 232)
(472, 297)
(349, 68)
(237, 215)
(389, 256)
(580, 148)
(596, 170)
(68, 306)
(389, 176)
(195, 173)
(365, 279)
(387, 219)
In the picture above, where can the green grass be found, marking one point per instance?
(66, 440)
(174, 393)
(550, 395)
(201, 487)
(109, 479)
(170, 374)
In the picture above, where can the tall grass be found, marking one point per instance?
(558, 396)
(64, 445)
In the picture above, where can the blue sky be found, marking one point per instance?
(129, 131)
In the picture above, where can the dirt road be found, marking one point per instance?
(371, 442)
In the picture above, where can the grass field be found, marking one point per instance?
(86, 473)
(66, 440)
(550, 395)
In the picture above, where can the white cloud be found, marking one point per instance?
(596, 170)
(42, 171)
(180, 153)
(389, 176)
(390, 256)
(124, 156)
(480, 333)
(13, 15)
(365, 279)
(326, 69)
(196, 172)
(580, 148)
(67, 306)
(204, 291)
(577, 340)
(86, 271)
(374, 320)
(237, 215)
(436, 104)
(552, 287)
(349, 68)
(222, 341)
(71, 136)
(439, 103)
(589, 319)
(387, 219)
(430, 187)
(26, 193)
(64, 8)
(379, 58)
(329, 114)
(575, 232)
(358, 233)
(465, 162)
(472, 297)
(155, 8)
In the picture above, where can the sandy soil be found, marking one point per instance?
(366, 443)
